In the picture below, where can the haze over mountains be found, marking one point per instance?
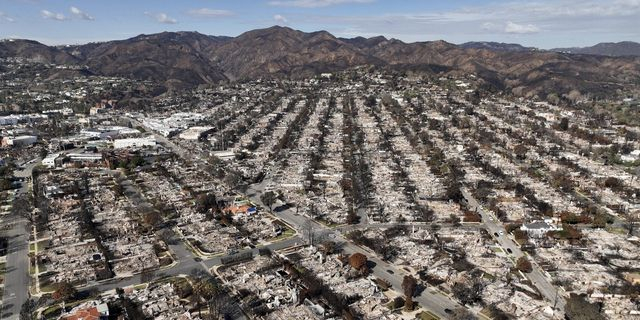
(612, 49)
(496, 46)
(187, 59)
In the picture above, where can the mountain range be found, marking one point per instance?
(186, 59)
(496, 46)
(612, 49)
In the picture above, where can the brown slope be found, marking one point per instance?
(34, 50)
(175, 59)
(284, 51)
(523, 72)
(612, 49)
(187, 59)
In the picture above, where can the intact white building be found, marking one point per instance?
(64, 111)
(108, 132)
(85, 156)
(52, 191)
(50, 160)
(223, 155)
(159, 126)
(194, 133)
(134, 142)
(8, 120)
(631, 157)
(538, 229)
(19, 141)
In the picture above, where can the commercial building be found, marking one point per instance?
(195, 133)
(19, 141)
(134, 142)
(81, 157)
(8, 120)
(50, 160)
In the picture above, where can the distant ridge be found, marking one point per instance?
(611, 49)
(187, 59)
(496, 46)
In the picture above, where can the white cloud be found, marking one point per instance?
(280, 19)
(4, 17)
(209, 13)
(46, 14)
(80, 14)
(161, 18)
(314, 3)
(575, 8)
(520, 28)
(489, 26)
(541, 23)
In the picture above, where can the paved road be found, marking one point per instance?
(408, 225)
(187, 264)
(16, 282)
(17, 279)
(187, 261)
(430, 298)
(537, 276)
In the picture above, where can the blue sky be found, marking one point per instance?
(541, 23)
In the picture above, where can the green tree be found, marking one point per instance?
(564, 124)
(207, 201)
(269, 199)
(462, 314)
(27, 310)
(152, 218)
(408, 304)
(204, 290)
(118, 190)
(409, 285)
(64, 292)
(5, 184)
(220, 306)
(578, 308)
(524, 265)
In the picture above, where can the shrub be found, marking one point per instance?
(524, 265)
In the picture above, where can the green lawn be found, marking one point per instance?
(427, 315)
(620, 231)
(42, 244)
(51, 311)
(330, 224)
(46, 285)
(140, 286)
(488, 276)
(55, 309)
(286, 234)
(2, 271)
